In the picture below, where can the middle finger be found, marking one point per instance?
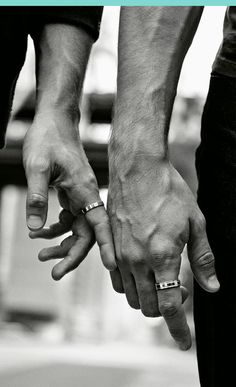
(145, 284)
(170, 306)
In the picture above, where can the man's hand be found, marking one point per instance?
(152, 211)
(153, 215)
(53, 156)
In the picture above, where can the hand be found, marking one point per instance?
(53, 155)
(153, 215)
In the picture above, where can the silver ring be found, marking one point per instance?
(91, 206)
(167, 285)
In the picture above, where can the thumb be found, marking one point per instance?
(37, 199)
(201, 258)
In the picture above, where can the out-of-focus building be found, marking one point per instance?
(83, 305)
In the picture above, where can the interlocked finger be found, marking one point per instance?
(56, 252)
(56, 229)
(99, 221)
(73, 249)
(170, 307)
(75, 256)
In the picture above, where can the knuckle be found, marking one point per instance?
(136, 261)
(132, 256)
(157, 255)
(101, 222)
(168, 310)
(164, 250)
(88, 181)
(133, 260)
(37, 165)
(37, 200)
(66, 217)
(205, 260)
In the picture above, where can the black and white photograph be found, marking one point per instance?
(117, 196)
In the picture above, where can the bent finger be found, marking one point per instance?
(56, 229)
(99, 221)
(75, 256)
(59, 251)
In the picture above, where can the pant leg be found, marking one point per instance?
(13, 45)
(215, 314)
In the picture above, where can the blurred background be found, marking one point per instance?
(78, 332)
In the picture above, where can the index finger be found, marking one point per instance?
(170, 306)
(99, 221)
(56, 229)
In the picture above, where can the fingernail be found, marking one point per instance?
(34, 221)
(213, 282)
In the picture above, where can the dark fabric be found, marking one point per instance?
(225, 62)
(15, 25)
(88, 18)
(215, 314)
(13, 45)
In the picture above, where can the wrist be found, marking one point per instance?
(133, 169)
(134, 148)
(62, 53)
(141, 123)
(54, 126)
(55, 108)
(122, 152)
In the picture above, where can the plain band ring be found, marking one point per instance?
(167, 285)
(91, 206)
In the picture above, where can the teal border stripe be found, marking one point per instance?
(116, 2)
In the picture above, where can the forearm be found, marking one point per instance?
(152, 44)
(153, 213)
(62, 53)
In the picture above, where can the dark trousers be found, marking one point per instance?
(215, 314)
(13, 45)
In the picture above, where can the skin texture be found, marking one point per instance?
(53, 154)
(152, 211)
